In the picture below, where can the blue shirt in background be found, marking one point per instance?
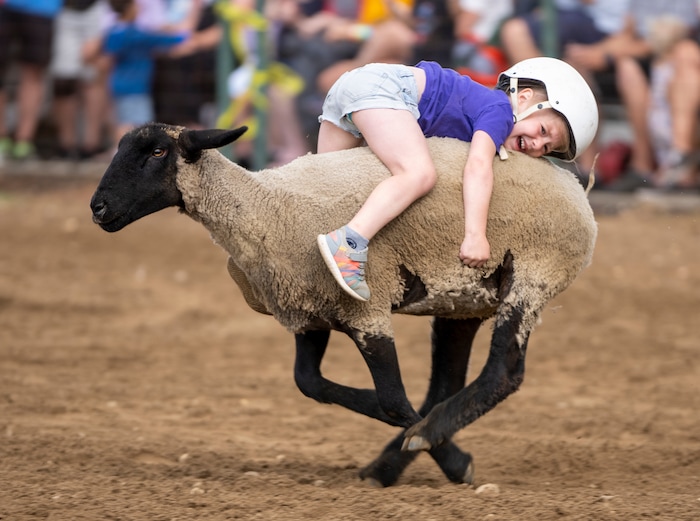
(48, 8)
(133, 62)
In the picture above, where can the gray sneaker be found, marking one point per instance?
(346, 265)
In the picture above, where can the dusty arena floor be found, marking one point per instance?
(135, 384)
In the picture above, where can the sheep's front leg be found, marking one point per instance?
(451, 349)
(310, 348)
(500, 377)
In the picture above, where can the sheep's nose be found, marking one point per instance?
(98, 211)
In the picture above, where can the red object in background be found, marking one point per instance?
(499, 64)
(612, 161)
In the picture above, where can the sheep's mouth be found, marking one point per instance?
(111, 225)
(108, 224)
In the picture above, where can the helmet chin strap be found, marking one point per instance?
(519, 116)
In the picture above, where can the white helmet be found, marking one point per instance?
(567, 93)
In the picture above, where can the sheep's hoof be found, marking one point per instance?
(468, 477)
(373, 482)
(415, 443)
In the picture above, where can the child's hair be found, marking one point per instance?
(120, 6)
(540, 93)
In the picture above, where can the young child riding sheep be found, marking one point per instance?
(541, 106)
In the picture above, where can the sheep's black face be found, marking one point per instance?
(139, 181)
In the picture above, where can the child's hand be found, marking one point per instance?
(475, 251)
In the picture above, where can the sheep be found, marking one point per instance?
(541, 229)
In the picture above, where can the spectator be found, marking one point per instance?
(29, 26)
(658, 79)
(577, 22)
(318, 35)
(284, 139)
(477, 51)
(372, 26)
(453, 33)
(78, 84)
(131, 50)
(185, 76)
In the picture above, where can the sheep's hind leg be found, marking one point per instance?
(451, 350)
(501, 376)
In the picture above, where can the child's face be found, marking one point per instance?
(538, 134)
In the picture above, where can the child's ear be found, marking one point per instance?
(525, 95)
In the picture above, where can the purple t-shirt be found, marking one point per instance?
(456, 106)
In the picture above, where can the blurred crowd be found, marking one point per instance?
(78, 74)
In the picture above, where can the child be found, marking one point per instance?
(551, 111)
(130, 48)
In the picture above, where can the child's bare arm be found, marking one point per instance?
(478, 185)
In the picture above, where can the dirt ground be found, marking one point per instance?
(135, 384)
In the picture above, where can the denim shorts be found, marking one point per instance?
(373, 86)
(134, 109)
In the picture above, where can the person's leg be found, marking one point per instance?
(680, 168)
(397, 140)
(99, 121)
(65, 109)
(377, 103)
(343, 255)
(94, 72)
(7, 27)
(3, 103)
(95, 96)
(30, 95)
(517, 40)
(286, 135)
(332, 138)
(633, 87)
(64, 71)
(391, 42)
(684, 94)
(34, 58)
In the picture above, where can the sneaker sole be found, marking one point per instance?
(330, 262)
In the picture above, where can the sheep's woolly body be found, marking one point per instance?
(268, 222)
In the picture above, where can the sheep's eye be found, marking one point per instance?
(159, 152)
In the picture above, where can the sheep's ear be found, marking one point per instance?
(194, 140)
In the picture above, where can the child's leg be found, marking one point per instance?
(397, 140)
(343, 250)
(332, 138)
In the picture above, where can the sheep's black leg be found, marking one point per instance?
(388, 402)
(311, 346)
(451, 350)
(501, 376)
(380, 356)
